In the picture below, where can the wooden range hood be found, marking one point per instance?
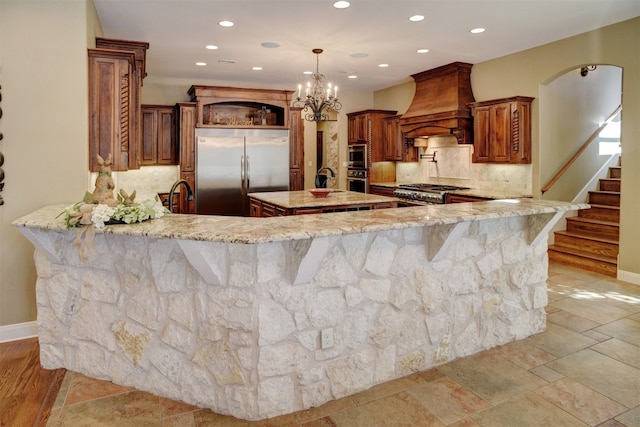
(440, 104)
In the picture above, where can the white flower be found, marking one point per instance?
(101, 214)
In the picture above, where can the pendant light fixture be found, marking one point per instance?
(319, 95)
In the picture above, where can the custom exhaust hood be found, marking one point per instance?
(440, 104)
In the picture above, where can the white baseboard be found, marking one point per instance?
(18, 331)
(628, 276)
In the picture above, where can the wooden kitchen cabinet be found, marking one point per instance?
(396, 147)
(502, 130)
(457, 198)
(186, 129)
(159, 145)
(219, 106)
(381, 190)
(116, 70)
(366, 127)
(296, 150)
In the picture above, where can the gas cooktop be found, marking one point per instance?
(431, 187)
(425, 193)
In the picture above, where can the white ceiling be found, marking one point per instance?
(178, 30)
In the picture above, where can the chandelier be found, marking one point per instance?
(318, 95)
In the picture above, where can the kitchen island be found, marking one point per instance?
(257, 317)
(279, 203)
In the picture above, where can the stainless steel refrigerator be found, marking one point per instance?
(231, 163)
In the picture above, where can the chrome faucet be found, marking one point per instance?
(173, 190)
(323, 183)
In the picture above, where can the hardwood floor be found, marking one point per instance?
(27, 391)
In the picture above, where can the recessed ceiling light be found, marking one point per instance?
(341, 4)
(359, 55)
(416, 18)
(211, 47)
(270, 45)
(307, 72)
(225, 23)
(422, 50)
(201, 64)
(353, 76)
(383, 65)
(477, 30)
(257, 68)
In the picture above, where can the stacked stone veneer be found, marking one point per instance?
(236, 327)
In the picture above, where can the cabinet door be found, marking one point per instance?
(391, 151)
(296, 150)
(188, 206)
(158, 136)
(352, 130)
(481, 134)
(111, 112)
(149, 149)
(500, 124)
(362, 128)
(187, 136)
(166, 137)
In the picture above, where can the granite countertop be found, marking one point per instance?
(473, 192)
(304, 199)
(298, 227)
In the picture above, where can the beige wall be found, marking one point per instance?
(523, 73)
(43, 72)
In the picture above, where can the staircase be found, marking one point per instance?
(590, 241)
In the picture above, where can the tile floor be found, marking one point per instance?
(584, 370)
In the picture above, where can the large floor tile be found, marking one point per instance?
(83, 388)
(581, 401)
(527, 411)
(133, 409)
(593, 306)
(630, 418)
(603, 374)
(571, 321)
(448, 400)
(560, 341)
(387, 389)
(626, 330)
(621, 351)
(492, 377)
(399, 410)
(524, 354)
(328, 408)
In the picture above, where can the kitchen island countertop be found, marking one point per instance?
(473, 192)
(303, 198)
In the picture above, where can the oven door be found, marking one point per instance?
(357, 156)
(357, 184)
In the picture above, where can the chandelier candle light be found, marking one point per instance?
(318, 96)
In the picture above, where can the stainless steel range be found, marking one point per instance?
(425, 194)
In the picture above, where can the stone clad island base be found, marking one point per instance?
(234, 324)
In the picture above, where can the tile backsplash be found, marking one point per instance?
(147, 181)
(453, 166)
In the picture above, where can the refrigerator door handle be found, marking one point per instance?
(248, 171)
(242, 176)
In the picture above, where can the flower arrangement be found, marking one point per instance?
(88, 212)
(101, 207)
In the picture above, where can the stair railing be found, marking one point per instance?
(584, 146)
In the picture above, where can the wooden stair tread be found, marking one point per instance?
(587, 237)
(584, 254)
(596, 205)
(612, 193)
(593, 221)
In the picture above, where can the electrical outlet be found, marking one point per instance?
(326, 338)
